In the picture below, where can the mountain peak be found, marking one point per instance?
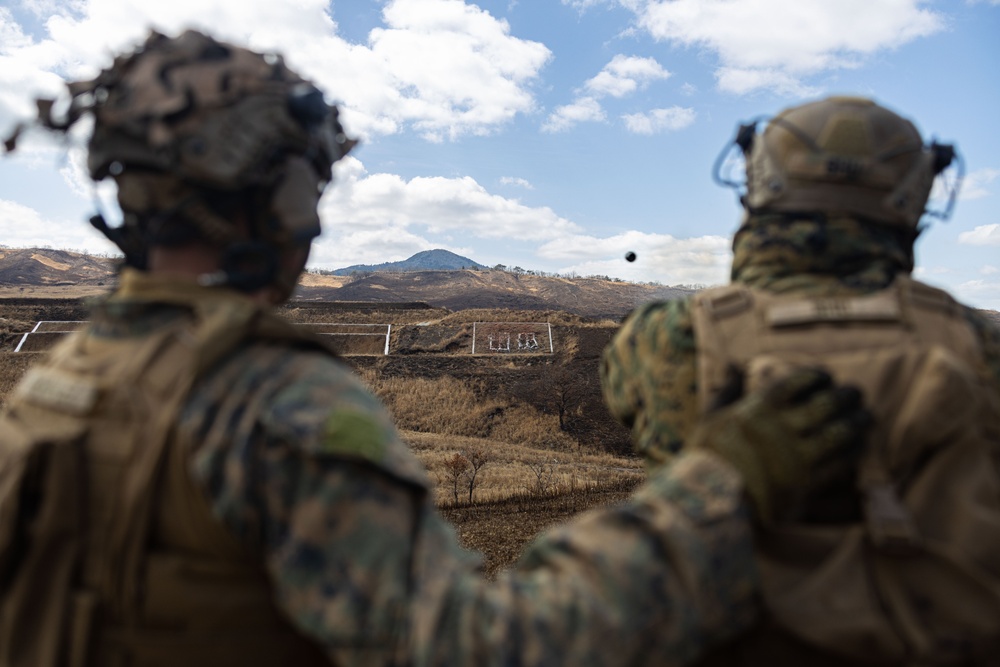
(426, 260)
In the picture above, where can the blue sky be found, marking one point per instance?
(548, 134)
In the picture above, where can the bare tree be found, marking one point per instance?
(455, 468)
(562, 392)
(543, 471)
(477, 456)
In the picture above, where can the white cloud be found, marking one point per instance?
(369, 218)
(366, 246)
(974, 186)
(385, 206)
(661, 257)
(689, 89)
(582, 110)
(983, 293)
(931, 272)
(468, 73)
(516, 181)
(622, 76)
(742, 80)
(625, 75)
(659, 120)
(442, 67)
(775, 44)
(24, 227)
(989, 270)
(24, 74)
(981, 235)
(584, 4)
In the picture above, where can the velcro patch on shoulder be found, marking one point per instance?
(355, 435)
(883, 307)
(360, 436)
(725, 301)
(56, 390)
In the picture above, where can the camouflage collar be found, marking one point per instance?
(145, 301)
(135, 285)
(820, 255)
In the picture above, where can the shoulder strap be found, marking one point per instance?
(718, 314)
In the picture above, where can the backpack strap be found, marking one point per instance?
(717, 314)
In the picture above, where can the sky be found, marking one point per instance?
(553, 135)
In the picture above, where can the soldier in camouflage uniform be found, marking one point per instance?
(212, 486)
(835, 190)
(648, 372)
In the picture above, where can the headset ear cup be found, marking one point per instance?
(944, 155)
(126, 238)
(745, 136)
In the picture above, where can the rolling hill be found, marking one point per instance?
(428, 260)
(60, 271)
(44, 266)
(45, 272)
(464, 289)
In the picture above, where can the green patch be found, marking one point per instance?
(354, 434)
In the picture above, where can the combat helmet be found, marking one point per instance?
(190, 126)
(841, 155)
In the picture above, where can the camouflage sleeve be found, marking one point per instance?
(656, 581)
(312, 473)
(649, 378)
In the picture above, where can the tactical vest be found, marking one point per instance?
(909, 572)
(109, 553)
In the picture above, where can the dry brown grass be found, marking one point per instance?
(521, 472)
(555, 317)
(304, 312)
(448, 406)
(12, 367)
(501, 530)
(322, 280)
(52, 291)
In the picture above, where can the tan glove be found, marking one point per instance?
(799, 436)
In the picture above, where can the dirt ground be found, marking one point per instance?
(502, 530)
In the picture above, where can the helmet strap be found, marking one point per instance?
(249, 265)
(126, 238)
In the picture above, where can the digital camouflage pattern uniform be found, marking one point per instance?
(302, 463)
(648, 372)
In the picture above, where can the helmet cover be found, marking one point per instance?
(182, 117)
(842, 155)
